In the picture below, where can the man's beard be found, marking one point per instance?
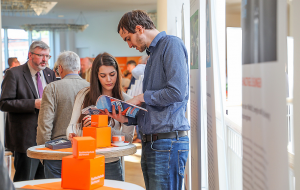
(42, 68)
(143, 45)
(39, 65)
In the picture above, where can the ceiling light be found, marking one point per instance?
(37, 7)
(58, 27)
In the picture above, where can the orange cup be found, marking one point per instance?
(118, 138)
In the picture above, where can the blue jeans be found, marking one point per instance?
(114, 171)
(163, 163)
(52, 168)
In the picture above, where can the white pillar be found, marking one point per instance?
(295, 32)
(162, 15)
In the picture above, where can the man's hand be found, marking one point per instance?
(119, 117)
(37, 103)
(137, 100)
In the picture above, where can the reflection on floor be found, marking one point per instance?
(133, 171)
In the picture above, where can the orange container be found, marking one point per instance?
(84, 147)
(102, 135)
(118, 138)
(99, 120)
(82, 174)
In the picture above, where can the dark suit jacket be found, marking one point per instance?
(18, 100)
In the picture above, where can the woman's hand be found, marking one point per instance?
(87, 121)
(71, 136)
(119, 117)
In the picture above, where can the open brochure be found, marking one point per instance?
(106, 102)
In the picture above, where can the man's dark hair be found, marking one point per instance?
(131, 62)
(137, 17)
(10, 61)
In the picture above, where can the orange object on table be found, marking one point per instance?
(102, 135)
(99, 120)
(82, 174)
(84, 147)
(118, 138)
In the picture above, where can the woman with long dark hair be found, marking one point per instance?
(105, 79)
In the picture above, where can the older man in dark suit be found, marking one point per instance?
(22, 90)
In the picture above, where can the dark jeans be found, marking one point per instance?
(113, 170)
(27, 168)
(163, 163)
(52, 168)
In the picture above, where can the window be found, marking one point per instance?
(18, 44)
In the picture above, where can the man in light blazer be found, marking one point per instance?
(57, 106)
(22, 90)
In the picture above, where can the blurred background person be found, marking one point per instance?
(140, 68)
(12, 62)
(88, 75)
(131, 64)
(55, 69)
(125, 80)
(85, 64)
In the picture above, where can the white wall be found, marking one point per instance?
(102, 35)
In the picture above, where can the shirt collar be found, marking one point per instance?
(155, 41)
(32, 71)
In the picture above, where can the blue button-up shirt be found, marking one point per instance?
(165, 87)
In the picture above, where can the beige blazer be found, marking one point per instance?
(57, 106)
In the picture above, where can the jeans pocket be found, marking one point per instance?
(162, 145)
(182, 157)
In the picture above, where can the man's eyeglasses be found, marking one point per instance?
(41, 55)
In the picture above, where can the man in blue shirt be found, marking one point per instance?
(164, 127)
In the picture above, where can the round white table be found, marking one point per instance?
(110, 152)
(108, 183)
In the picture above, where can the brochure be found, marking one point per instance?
(106, 102)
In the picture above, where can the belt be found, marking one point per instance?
(157, 136)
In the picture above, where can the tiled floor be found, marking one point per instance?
(133, 171)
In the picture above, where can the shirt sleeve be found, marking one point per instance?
(175, 67)
(76, 113)
(46, 116)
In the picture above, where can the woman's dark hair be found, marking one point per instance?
(137, 17)
(95, 89)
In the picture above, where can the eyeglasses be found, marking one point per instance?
(41, 55)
